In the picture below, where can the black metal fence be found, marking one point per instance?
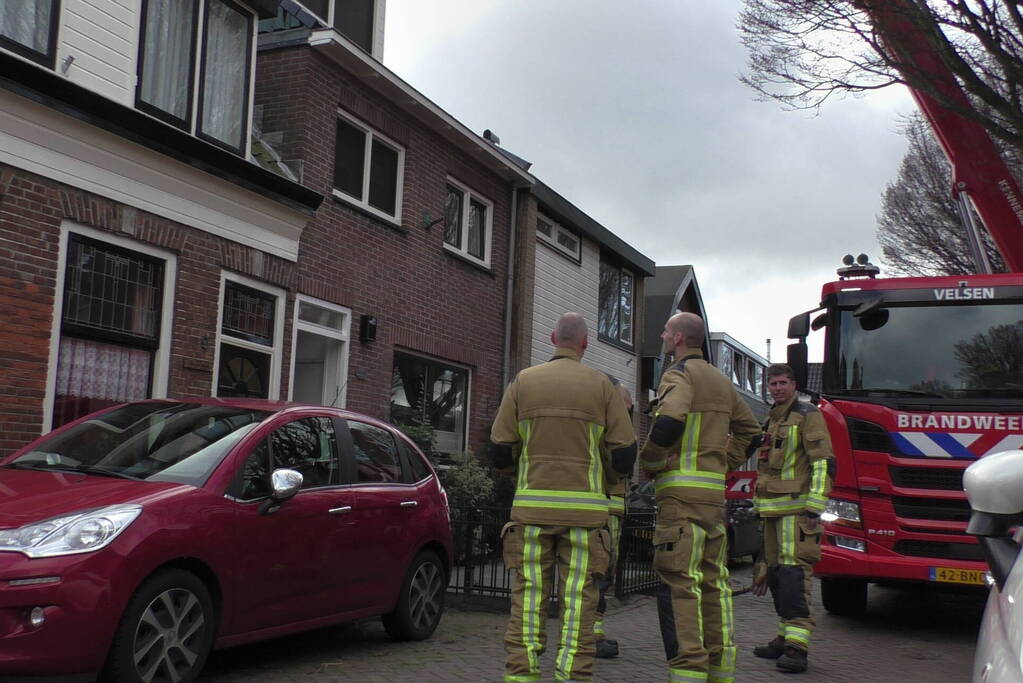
(479, 566)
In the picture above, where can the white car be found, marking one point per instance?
(994, 486)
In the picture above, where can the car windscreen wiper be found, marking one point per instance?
(80, 469)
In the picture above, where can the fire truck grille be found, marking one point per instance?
(943, 551)
(931, 508)
(927, 478)
(867, 436)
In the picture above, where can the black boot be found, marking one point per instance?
(773, 650)
(793, 661)
(606, 649)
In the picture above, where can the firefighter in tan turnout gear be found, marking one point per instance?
(563, 430)
(689, 450)
(793, 481)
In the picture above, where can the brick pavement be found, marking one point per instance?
(907, 636)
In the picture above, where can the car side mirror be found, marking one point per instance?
(994, 486)
(284, 484)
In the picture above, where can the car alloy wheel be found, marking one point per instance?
(426, 596)
(421, 601)
(166, 632)
(168, 636)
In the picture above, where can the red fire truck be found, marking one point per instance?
(921, 376)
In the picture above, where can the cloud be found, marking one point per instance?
(635, 113)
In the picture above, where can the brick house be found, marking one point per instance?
(410, 248)
(144, 251)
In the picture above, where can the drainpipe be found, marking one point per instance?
(509, 287)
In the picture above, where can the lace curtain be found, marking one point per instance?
(227, 71)
(26, 22)
(93, 374)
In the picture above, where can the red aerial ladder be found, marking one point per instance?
(921, 376)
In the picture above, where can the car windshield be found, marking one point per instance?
(932, 351)
(181, 442)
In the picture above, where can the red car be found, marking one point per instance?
(137, 539)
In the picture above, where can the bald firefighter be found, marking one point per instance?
(688, 452)
(793, 480)
(563, 429)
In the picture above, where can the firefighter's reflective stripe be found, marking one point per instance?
(784, 505)
(787, 542)
(560, 500)
(533, 600)
(616, 505)
(596, 471)
(690, 442)
(686, 676)
(724, 672)
(525, 432)
(714, 481)
(788, 467)
(572, 615)
(797, 635)
(816, 499)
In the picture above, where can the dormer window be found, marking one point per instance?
(29, 28)
(195, 63)
(360, 21)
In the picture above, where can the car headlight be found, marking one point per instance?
(81, 532)
(843, 512)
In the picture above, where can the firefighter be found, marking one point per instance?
(793, 480)
(688, 452)
(606, 647)
(563, 430)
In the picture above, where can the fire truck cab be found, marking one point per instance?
(921, 377)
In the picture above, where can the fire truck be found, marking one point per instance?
(921, 376)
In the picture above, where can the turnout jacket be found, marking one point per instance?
(795, 462)
(701, 429)
(564, 431)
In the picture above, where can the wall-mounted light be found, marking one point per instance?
(367, 328)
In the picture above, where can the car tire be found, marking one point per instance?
(169, 626)
(421, 602)
(844, 597)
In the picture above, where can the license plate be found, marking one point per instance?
(952, 575)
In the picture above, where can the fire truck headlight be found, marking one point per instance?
(843, 513)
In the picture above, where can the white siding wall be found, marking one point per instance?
(102, 36)
(562, 285)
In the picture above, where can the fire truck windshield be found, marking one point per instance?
(939, 351)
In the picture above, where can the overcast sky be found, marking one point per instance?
(634, 113)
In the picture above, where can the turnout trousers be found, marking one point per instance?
(614, 527)
(792, 544)
(695, 603)
(531, 552)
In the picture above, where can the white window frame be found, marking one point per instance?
(342, 335)
(552, 240)
(194, 125)
(379, 10)
(276, 352)
(463, 249)
(468, 385)
(161, 357)
(367, 161)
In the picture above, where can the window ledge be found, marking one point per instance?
(454, 253)
(617, 344)
(388, 222)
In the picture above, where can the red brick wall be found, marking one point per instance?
(425, 299)
(32, 209)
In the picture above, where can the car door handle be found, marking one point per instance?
(344, 510)
(409, 503)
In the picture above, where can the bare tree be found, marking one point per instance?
(803, 51)
(919, 228)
